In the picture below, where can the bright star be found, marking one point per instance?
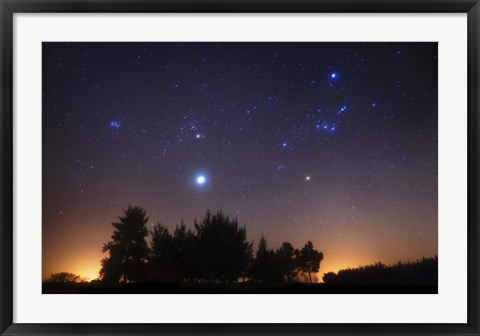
(307, 178)
(284, 145)
(342, 109)
(333, 75)
(198, 136)
(201, 180)
(115, 124)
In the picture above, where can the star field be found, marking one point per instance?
(330, 142)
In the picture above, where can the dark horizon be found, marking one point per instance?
(335, 143)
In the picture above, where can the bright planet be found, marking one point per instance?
(201, 180)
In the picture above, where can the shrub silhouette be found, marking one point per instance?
(65, 277)
(128, 248)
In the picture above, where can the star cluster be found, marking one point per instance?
(330, 142)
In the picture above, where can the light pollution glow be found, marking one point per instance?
(341, 252)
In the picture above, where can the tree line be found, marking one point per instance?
(423, 272)
(216, 251)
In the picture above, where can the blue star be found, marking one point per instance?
(333, 75)
(284, 145)
(115, 124)
(342, 109)
(374, 105)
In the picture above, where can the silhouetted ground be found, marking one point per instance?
(237, 288)
(419, 277)
(423, 272)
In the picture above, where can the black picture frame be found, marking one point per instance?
(9, 7)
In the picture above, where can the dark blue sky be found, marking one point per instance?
(330, 142)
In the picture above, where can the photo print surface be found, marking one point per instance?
(237, 167)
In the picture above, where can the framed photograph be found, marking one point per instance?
(238, 167)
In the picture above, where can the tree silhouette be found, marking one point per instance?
(265, 266)
(222, 248)
(172, 256)
(287, 262)
(162, 255)
(184, 253)
(309, 260)
(112, 266)
(128, 248)
(65, 277)
(259, 262)
(216, 252)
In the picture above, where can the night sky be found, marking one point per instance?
(330, 142)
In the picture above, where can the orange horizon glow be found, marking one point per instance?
(340, 253)
(90, 271)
